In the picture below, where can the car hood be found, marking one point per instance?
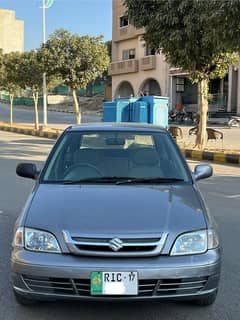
(113, 210)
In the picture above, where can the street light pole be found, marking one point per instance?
(44, 74)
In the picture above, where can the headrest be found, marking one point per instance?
(87, 155)
(148, 157)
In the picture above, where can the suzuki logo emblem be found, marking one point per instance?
(115, 244)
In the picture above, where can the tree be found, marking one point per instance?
(77, 60)
(1, 68)
(104, 78)
(109, 48)
(194, 35)
(30, 76)
(9, 80)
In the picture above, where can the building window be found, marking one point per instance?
(123, 21)
(128, 54)
(149, 51)
(179, 84)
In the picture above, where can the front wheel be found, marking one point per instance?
(206, 300)
(234, 123)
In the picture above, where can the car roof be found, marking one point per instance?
(109, 126)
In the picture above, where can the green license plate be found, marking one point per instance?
(114, 283)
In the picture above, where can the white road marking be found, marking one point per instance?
(207, 182)
(1, 211)
(229, 196)
(233, 196)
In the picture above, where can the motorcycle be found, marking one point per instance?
(234, 121)
(181, 117)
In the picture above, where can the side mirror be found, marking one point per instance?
(202, 171)
(27, 170)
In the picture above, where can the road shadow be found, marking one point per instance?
(25, 149)
(34, 141)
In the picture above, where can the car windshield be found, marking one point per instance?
(114, 157)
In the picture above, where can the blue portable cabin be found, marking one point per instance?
(158, 109)
(146, 109)
(139, 111)
(117, 110)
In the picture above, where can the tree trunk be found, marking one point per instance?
(35, 98)
(203, 109)
(76, 107)
(11, 109)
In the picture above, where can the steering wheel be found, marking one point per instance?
(73, 171)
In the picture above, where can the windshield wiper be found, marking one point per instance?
(109, 179)
(149, 180)
(118, 180)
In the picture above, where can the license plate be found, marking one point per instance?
(114, 283)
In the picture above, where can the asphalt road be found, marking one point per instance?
(60, 120)
(222, 194)
(27, 116)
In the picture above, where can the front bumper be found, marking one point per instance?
(62, 276)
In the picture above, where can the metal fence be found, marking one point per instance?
(20, 101)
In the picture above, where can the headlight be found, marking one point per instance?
(190, 243)
(36, 240)
(195, 242)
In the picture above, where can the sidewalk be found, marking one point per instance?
(226, 151)
(23, 128)
(229, 144)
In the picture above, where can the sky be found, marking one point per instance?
(92, 17)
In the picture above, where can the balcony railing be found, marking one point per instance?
(125, 66)
(148, 63)
(177, 71)
(123, 31)
(127, 32)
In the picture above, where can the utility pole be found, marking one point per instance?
(45, 5)
(44, 74)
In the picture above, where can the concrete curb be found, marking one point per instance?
(87, 113)
(31, 132)
(63, 111)
(212, 156)
(188, 153)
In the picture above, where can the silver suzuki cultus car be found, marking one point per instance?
(115, 214)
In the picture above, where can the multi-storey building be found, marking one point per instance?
(11, 32)
(136, 69)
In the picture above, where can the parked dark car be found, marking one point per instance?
(115, 214)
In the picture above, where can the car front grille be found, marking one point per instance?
(180, 286)
(148, 287)
(115, 247)
(49, 285)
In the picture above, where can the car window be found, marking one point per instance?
(101, 140)
(83, 155)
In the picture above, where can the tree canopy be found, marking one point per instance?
(31, 71)
(76, 59)
(10, 67)
(10, 76)
(198, 36)
(1, 67)
(189, 33)
(30, 76)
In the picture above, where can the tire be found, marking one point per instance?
(206, 300)
(179, 118)
(234, 123)
(22, 300)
